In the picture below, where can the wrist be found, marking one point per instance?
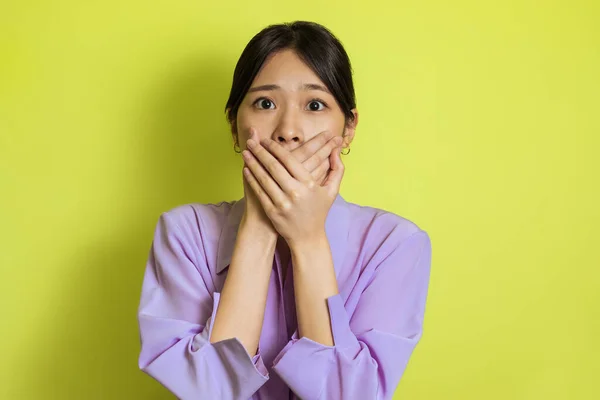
(258, 229)
(313, 266)
(313, 243)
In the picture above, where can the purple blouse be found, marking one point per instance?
(382, 264)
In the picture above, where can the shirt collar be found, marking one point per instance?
(336, 228)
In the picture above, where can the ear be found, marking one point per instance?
(350, 129)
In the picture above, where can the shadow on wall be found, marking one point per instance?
(93, 343)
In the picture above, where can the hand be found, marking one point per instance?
(253, 211)
(314, 156)
(292, 199)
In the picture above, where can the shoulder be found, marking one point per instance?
(196, 222)
(382, 230)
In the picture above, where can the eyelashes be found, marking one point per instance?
(317, 100)
(261, 101)
(264, 103)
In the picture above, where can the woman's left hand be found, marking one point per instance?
(294, 202)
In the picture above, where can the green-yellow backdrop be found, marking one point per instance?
(478, 120)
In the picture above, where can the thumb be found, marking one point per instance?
(334, 179)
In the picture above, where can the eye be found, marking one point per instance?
(316, 105)
(264, 104)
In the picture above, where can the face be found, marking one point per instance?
(288, 103)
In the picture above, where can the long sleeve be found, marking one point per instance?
(373, 345)
(175, 315)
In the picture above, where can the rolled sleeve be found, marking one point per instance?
(343, 337)
(303, 365)
(176, 348)
(373, 345)
(230, 356)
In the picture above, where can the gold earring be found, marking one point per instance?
(236, 148)
(345, 154)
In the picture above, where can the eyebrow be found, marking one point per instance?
(305, 87)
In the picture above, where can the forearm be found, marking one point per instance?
(314, 282)
(244, 295)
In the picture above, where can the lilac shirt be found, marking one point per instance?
(381, 261)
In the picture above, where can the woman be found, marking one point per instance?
(290, 292)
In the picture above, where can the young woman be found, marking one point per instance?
(290, 292)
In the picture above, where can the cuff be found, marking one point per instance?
(237, 357)
(257, 360)
(209, 324)
(304, 364)
(343, 337)
(229, 362)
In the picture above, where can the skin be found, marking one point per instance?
(293, 131)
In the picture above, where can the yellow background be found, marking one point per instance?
(478, 120)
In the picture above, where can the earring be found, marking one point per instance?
(345, 154)
(236, 148)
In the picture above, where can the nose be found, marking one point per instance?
(288, 132)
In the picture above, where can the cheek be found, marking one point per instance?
(327, 123)
(247, 120)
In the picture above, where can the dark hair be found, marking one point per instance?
(314, 44)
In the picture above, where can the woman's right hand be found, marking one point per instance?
(254, 213)
(314, 155)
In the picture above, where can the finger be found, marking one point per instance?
(320, 172)
(310, 147)
(291, 164)
(322, 154)
(334, 179)
(258, 190)
(264, 179)
(272, 165)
